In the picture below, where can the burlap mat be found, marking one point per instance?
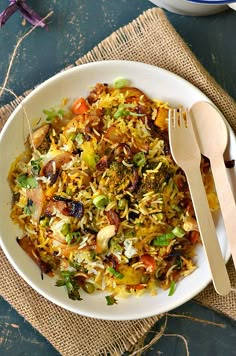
(150, 39)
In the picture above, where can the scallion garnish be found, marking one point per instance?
(172, 288)
(65, 229)
(72, 238)
(178, 231)
(79, 138)
(163, 240)
(115, 273)
(35, 166)
(123, 111)
(120, 83)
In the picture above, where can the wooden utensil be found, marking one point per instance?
(212, 137)
(186, 153)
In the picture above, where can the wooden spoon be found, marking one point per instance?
(212, 137)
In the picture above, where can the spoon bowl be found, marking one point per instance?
(212, 137)
(210, 129)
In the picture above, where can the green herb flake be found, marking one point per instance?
(73, 238)
(27, 182)
(35, 166)
(69, 280)
(111, 300)
(139, 159)
(28, 209)
(172, 288)
(52, 114)
(123, 111)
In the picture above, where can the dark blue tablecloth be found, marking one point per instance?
(75, 28)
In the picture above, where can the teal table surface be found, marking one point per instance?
(75, 27)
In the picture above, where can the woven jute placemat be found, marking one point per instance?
(151, 39)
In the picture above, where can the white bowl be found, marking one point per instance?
(75, 82)
(183, 7)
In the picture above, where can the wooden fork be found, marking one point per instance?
(186, 153)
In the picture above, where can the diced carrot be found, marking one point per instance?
(194, 237)
(149, 262)
(80, 106)
(139, 286)
(161, 118)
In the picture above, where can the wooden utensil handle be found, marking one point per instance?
(227, 202)
(207, 231)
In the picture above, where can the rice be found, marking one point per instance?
(101, 202)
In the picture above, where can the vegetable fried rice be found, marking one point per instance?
(100, 201)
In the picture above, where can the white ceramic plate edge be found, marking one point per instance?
(119, 316)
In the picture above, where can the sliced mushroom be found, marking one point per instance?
(36, 195)
(38, 136)
(27, 245)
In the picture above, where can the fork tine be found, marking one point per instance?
(172, 118)
(183, 120)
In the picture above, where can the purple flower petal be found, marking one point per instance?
(6, 14)
(30, 15)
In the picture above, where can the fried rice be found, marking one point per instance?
(101, 204)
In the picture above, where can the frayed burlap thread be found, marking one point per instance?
(151, 39)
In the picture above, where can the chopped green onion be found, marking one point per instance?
(111, 300)
(44, 222)
(145, 278)
(115, 273)
(100, 201)
(79, 138)
(65, 229)
(122, 111)
(72, 136)
(27, 182)
(122, 203)
(120, 83)
(72, 238)
(159, 216)
(92, 255)
(139, 159)
(178, 232)
(172, 288)
(164, 239)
